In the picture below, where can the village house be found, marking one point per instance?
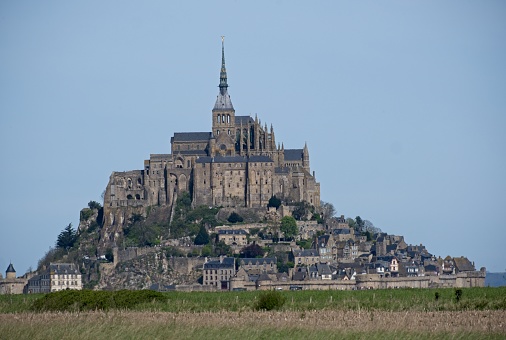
(233, 237)
(218, 272)
(56, 277)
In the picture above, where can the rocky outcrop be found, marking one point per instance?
(154, 267)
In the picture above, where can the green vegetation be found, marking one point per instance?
(252, 251)
(274, 202)
(270, 300)
(202, 237)
(88, 300)
(66, 238)
(138, 233)
(235, 217)
(391, 300)
(289, 227)
(94, 205)
(187, 221)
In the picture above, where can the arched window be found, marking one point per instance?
(217, 118)
(228, 119)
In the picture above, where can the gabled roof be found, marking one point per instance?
(463, 264)
(293, 154)
(191, 136)
(323, 269)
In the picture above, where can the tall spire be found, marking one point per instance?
(223, 101)
(223, 72)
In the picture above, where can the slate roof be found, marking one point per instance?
(228, 262)
(293, 154)
(244, 120)
(222, 159)
(260, 159)
(341, 231)
(306, 252)
(283, 170)
(231, 232)
(257, 261)
(192, 152)
(191, 136)
(10, 269)
(223, 102)
(234, 159)
(63, 268)
(463, 264)
(323, 269)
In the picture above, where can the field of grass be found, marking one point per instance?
(400, 313)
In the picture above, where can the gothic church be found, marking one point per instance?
(237, 164)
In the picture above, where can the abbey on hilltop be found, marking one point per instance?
(237, 164)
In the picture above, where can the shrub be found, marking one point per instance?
(88, 300)
(235, 217)
(274, 202)
(458, 294)
(270, 300)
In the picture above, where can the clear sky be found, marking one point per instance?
(402, 104)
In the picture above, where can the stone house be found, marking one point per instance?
(56, 277)
(233, 237)
(306, 257)
(218, 272)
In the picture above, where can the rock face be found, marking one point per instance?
(155, 267)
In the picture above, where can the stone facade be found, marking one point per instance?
(237, 164)
(12, 284)
(58, 276)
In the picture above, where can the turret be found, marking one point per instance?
(305, 158)
(10, 273)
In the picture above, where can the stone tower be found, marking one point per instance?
(10, 273)
(223, 115)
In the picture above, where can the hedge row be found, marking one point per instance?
(88, 300)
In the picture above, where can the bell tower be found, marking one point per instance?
(223, 111)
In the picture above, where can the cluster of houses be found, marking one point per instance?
(55, 277)
(340, 257)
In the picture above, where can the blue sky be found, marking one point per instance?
(402, 105)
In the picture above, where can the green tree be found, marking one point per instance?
(251, 251)
(94, 205)
(222, 249)
(202, 237)
(360, 223)
(274, 202)
(289, 226)
(235, 217)
(67, 238)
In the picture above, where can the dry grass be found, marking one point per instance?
(328, 324)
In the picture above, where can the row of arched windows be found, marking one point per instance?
(223, 119)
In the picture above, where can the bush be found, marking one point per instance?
(88, 300)
(270, 300)
(274, 202)
(234, 218)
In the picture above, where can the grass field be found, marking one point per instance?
(406, 313)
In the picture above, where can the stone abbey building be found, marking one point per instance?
(236, 164)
